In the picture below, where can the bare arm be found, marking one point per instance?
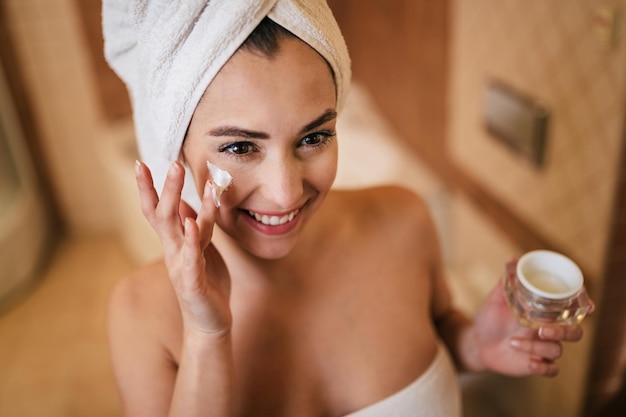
(151, 384)
(204, 385)
(144, 371)
(149, 380)
(494, 340)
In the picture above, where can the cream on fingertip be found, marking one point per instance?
(220, 181)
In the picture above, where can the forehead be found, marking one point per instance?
(296, 77)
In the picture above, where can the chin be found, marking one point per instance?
(261, 245)
(273, 255)
(272, 249)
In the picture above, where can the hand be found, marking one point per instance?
(196, 269)
(503, 345)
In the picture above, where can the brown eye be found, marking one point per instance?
(312, 139)
(238, 148)
(316, 139)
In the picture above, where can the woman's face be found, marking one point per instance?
(270, 122)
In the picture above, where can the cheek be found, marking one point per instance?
(244, 183)
(330, 173)
(326, 170)
(196, 162)
(200, 174)
(196, 158)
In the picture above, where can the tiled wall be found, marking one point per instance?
(548, 50)
(53, 59)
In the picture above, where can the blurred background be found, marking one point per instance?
(508, 116)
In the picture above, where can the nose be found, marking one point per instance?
(282, 181)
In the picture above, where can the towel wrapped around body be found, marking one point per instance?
(168, 51)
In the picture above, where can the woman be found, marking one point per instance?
(291, 299)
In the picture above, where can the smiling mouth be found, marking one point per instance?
(273, 220)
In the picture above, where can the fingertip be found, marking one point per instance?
(173, 185)
(175, 174)
(543, 368)
(552, 370)
(137, 168)
(550, 333)
(207, 191)
(143, 175)
(513, 261)
(139, 172)
(207, 215)
(575, 334)
(173, 169)
(210, 198)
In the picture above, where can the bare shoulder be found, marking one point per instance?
(380, 196)
(142, 325)
(141, 306)
(389, 217)
(390, 205)
(143, 295)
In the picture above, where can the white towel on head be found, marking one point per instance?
(168, 51)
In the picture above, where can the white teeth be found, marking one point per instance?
(273, 220)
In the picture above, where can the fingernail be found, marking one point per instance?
(207, 190)
(137, 167)
(173, 168)
(547, 332)
(216, 197)
(515, 343)
(211, 191)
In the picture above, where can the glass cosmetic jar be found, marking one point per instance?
(547, 289)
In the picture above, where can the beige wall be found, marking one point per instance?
(53, 57)
(548, 50)
(545, 48)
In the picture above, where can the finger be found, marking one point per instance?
(538, 348)
(561, 333)
(543, 368)
(510, 266)
(193, 261)
(592, 307)
(148, 196)
(167, 215)
(207, 215)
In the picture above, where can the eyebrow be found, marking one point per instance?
(234, 131)
(328, 115)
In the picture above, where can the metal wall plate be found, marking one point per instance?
(517, 120)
